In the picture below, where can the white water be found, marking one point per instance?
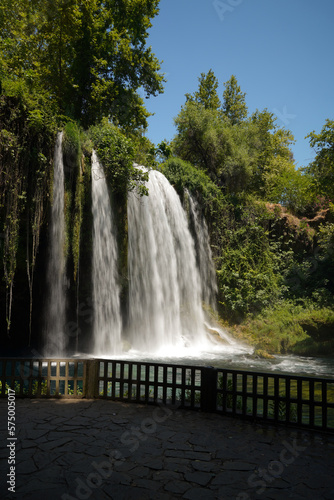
(165, 309)
(167, 323)
(55, 338)
(107, 322)
(204, 254)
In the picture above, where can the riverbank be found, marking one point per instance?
(287, 329)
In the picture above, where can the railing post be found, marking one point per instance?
(208, 389)
(91, 382)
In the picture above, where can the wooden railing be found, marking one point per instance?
(295, 400)
(304, 402)
(43, 378)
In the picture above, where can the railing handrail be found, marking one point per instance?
(293, 399)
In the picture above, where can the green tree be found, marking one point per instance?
(207, 141)
(234, 104)
(89, 56)
(272, 159)
(37, 43)
(206, 94)
(112, 42)
(164, 150)
(322, 168)
(198, 134)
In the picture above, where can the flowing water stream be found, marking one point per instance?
(165, 309)
(170, 275)
(107, 322)
(55, 338)
(205, 264)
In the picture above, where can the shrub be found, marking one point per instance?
(116, 153)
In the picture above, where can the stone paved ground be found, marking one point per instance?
(84, 449)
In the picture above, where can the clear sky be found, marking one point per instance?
(281, 51)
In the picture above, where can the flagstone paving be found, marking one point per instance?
(86, 449)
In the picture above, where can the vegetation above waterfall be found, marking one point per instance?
(88, 57)
(271, 224)
(65, 64)
(83, 67)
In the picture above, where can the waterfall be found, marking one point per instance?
(164, 282)
(204, 253)
(106, 300)
(55, 339)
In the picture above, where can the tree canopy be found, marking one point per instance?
(90, 57)
(322, 168)
(234, 104)
(238, 153)
(207, 94)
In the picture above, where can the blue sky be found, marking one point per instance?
(281, 52)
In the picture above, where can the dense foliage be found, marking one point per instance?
(322, 168)
(116, 153)
(78, 66)
(239, 155)
(73, 65)
(26, 148)
(89, 57)
(271, 224)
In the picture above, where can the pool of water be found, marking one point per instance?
(240, 359)
(223, 351)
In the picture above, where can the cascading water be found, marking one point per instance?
(55, 338)
(164, 283)
(204, 254)
(106, 300)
